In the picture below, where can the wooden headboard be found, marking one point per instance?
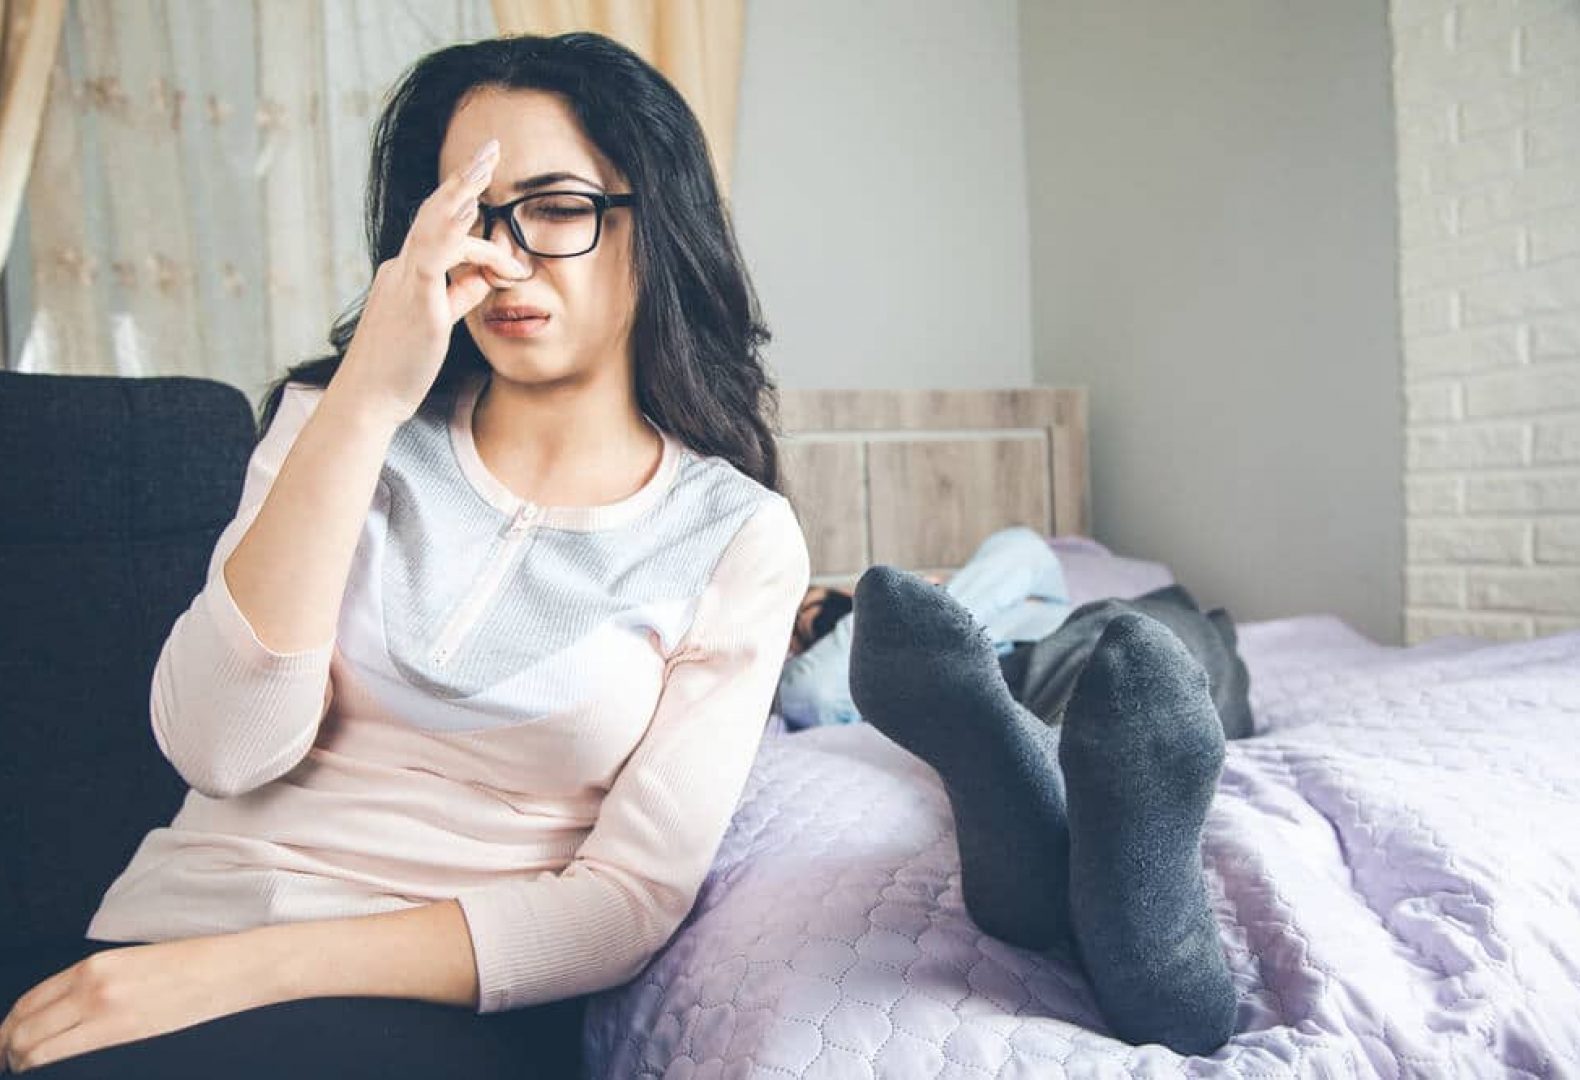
(917, 478)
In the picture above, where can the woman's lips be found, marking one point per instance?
(518, 328)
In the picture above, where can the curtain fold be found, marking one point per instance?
(696, 44)
(29, 35)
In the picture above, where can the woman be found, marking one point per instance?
(484, 657)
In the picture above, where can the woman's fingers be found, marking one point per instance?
(75, 1041)
(437, 257)
(439, 245)
(439, 237)
(451, 207)
(467, 182)
(466, 290)
(468, 285)
(480, 252)
(34, 1042)
(41, 1001)
(50, 990)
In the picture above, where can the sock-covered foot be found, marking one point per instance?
(1232, 692)
(924, 672)
(1142, 750)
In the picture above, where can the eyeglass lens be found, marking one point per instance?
(558, 224)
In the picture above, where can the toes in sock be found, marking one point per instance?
(924, 672)
(1142, 749)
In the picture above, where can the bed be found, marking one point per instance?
(1393, 860)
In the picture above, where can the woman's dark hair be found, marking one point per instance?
(697, 329)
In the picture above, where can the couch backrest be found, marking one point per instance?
(112, 494)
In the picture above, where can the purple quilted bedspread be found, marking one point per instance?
(1395, 864)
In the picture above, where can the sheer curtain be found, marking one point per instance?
(29, 35)
(196, 198)
(195, 202)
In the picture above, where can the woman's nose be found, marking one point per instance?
(502, 239)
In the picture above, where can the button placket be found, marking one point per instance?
(514, 534)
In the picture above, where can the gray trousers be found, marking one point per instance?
(1042, 674)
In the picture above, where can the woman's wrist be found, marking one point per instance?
(284, 962)
(381, 399)
(368, 410)
(423, 953)
(253, 968)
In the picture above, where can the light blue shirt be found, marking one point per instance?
(1013, 585)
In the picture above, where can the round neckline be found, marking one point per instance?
(579, 518)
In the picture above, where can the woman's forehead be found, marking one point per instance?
(537, 133)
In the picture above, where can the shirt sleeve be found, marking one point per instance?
(596, 923)
(227, 711)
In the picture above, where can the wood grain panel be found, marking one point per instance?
(917, 478)
(826, 483)
(1072, 500)
(915, 410)
(932, 502)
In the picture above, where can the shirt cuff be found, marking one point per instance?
(243, 640)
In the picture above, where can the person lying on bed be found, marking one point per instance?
(1081, 838)
(1014, 586)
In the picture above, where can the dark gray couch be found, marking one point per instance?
(112, 494)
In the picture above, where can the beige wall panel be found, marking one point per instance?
(824, 483)
(934, 501)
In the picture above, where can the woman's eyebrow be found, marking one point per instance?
(545, 179)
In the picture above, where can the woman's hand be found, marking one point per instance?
(404, 331)
(121, 995)
(423, 953)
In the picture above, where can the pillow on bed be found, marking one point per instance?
(1093, 572)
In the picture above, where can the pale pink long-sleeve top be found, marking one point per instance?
(547, 713)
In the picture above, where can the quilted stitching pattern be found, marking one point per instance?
(1393, 867)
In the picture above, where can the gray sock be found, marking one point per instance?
(1142, 750)
(924, 672)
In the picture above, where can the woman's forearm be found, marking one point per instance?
(423, 953)
(288, 573)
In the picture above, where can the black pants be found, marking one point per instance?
(1042, 674)
(331, 1038)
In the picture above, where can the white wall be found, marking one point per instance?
(1489, 192)
(880, 191)
(1214, 255)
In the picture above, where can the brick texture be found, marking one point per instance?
(1487, 94)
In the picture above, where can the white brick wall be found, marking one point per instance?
(1488, 100)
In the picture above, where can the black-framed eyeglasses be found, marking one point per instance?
(553, 224)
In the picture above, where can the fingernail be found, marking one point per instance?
(480, 170)
(487, 149)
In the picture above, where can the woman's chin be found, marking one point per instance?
(528, 367)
